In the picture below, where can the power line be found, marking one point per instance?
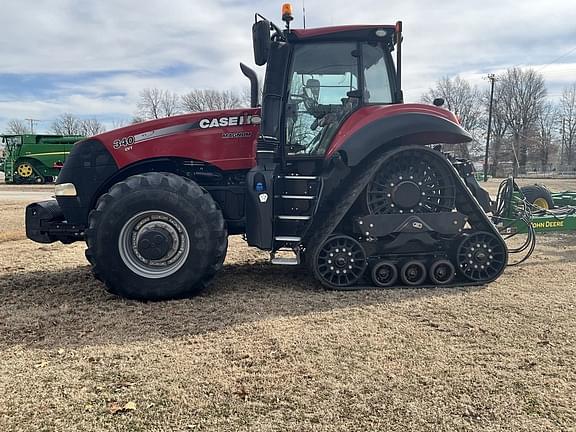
(32, 122)
(558, 58)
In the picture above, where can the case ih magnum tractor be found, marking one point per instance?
(333, 168)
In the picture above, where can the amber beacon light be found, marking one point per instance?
(287, 13)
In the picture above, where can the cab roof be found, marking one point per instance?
(348, 32)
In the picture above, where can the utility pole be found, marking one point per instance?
(563, 146)
(32, 121)
(492, 79)
(304, 12)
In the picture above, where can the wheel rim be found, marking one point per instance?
(481, 257)
(154, 244)
(412, 181)
(384, 274)
(413, 273)
(340, 262)
(25, 170)
(542, 203)
(442, 272)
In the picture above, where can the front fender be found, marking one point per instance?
(395, 130)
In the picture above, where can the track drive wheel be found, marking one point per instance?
(412, 181)
(340, 262)
(442, 272)
(413, 273)
(481, 257)
(156, 236)
(384, 274)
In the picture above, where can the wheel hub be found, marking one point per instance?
(413, 273)
(481, 256)
(341, 261)
(406, 195)
(155, 243)
(441, 272)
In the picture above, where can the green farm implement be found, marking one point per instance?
(35, 158)
(535, 208)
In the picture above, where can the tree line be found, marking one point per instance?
(65, 124)
(529, 132)
(153, 103)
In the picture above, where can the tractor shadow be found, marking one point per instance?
(71, 308)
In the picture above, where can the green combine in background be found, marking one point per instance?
(35, 158)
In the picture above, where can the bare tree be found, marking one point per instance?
(499, 130)
(545, 144)
(568, 114)
(462, 99)
(211, 100)
(118, 123)
(156, 103)
(90, 127)
(17, 127)
(522, 94)
(67, 124)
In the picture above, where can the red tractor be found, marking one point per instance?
(333, 168)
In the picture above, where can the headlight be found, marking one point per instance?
(65, 189)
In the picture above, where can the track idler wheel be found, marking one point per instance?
(413, 273)
(384, 274)
(442, 272)
(340, 262)
(481, 257)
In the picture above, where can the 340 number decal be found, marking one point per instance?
(123, 142)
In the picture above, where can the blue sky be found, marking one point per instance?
(93, 58)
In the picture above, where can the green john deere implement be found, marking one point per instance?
(35, 158)
(521, 210)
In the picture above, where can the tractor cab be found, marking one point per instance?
(315, 80)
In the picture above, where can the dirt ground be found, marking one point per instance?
(267, 349)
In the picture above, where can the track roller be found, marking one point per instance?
(413, 273)
(384, 274)
(340, 262)
(442, 272)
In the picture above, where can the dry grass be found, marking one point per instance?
(267, 349)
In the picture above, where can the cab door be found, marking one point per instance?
(322, 91)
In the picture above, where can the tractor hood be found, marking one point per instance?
(224, 138)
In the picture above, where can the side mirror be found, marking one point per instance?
(261, 41)
(438, 102)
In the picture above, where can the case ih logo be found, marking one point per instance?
(229, 121)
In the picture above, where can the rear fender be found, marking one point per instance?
(398, 130)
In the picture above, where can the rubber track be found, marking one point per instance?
(331, 215)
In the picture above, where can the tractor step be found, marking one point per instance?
(291, 239)
(298, 177)
(285, 261)
(298, 197)
(294, 217)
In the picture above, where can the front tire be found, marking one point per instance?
(156, 236)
